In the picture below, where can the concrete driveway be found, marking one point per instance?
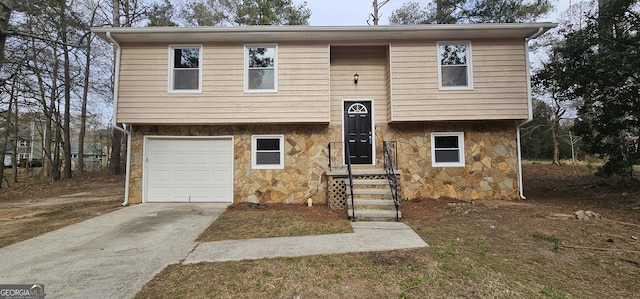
(110, 256)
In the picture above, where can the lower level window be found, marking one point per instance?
(267, 152)
(447, 149)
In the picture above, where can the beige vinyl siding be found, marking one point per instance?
(302, 97)
(499, 83)
(370, 64)
(388, 83)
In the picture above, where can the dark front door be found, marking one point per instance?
(357, 131)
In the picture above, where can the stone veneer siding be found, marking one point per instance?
(305, 161)
(491, 162)
(490, 157)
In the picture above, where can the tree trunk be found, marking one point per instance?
(16, 131)
(55, 165)
(66, 129)
(83, 113)
(573, 151)
(51, 145)
(376, 13)
(6, 134)
(556, 144)
(116, 145)
(46, 110)
(54, 121)
(6, 7)
(439, 12)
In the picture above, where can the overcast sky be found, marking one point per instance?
(355, 12)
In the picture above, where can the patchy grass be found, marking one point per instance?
(244, 221)
(467, 259)
(491, 249)
(542, 238)
(33, 207)
(51, 219)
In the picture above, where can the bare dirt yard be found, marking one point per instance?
(31, 207)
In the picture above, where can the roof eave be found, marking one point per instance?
(321, 33)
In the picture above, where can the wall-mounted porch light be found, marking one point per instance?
(355, 79)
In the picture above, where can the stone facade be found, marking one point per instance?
(305, 160)
(490, 160)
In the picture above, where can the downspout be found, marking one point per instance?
(530, 111)
(116, 85)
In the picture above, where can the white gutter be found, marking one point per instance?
(116, 85)
(530, 111)
(380, 35)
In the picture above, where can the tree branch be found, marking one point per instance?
(44, 39)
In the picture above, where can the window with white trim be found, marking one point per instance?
(261, 68)
(454, 65)
(185, 73)
(22, 143)
(267, 151)
(447, 149)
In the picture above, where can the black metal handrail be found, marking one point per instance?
(348, 158)
(329, 148)
(389, 166)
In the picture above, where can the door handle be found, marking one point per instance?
(370, 140)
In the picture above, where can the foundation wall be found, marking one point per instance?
(490, 169)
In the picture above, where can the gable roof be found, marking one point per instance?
(385, 33)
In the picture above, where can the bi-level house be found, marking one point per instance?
(260, 114)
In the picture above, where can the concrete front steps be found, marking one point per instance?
(372, 201)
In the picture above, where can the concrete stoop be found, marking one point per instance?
(372, 201)
(374, 215)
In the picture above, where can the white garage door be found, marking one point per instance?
(188, 169)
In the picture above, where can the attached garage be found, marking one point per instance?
(188, 169)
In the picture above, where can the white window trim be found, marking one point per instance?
(246, 68)
(460, 136)
(469, 66)
(254, 145)
(170, 64)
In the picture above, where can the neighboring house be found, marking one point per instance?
(95, 156)
(234, 114)
(23, 152)
(28, 146)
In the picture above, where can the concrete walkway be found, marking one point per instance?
(115, 254)
(366, 236)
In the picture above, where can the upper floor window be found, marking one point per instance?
(261, 68)
(185, 69)
(22, 143)
(454, 65)
(447, 149)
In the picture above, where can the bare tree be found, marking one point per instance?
(553, 118)
(375, 16)
(85, 90)
(573, 140)
(6, 8)
(125, 13)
